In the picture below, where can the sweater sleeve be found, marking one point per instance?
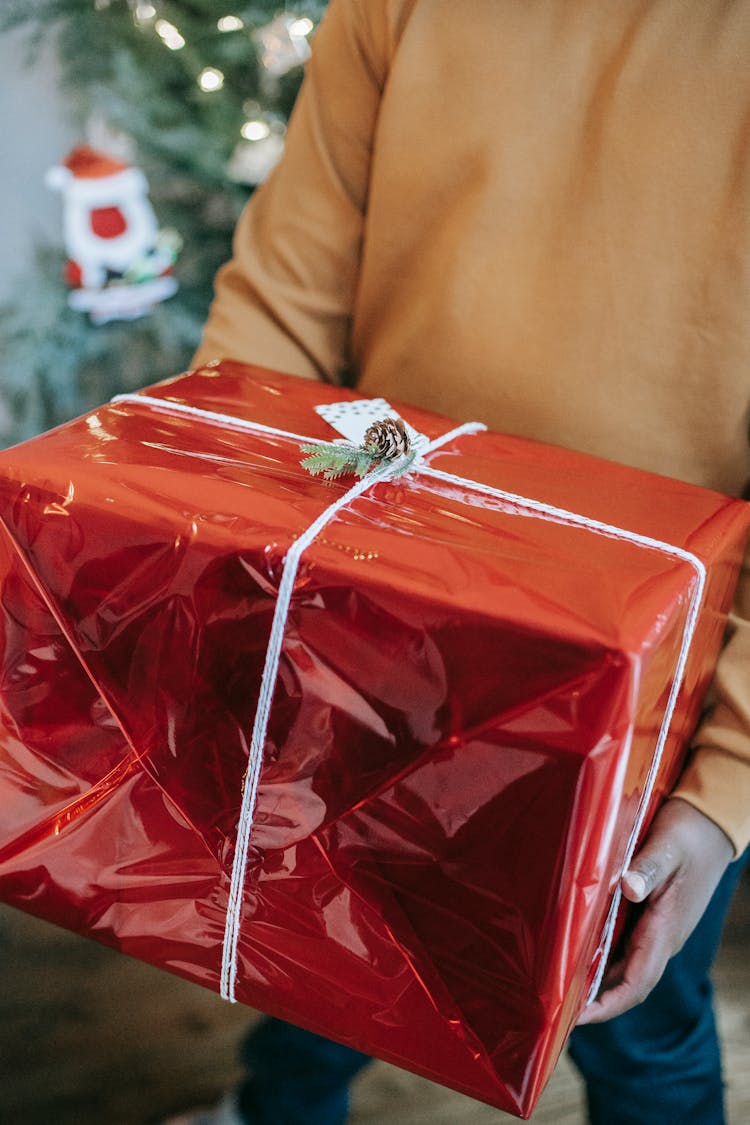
(285, 299)
(717, 778)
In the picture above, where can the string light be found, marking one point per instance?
(230, 23)
(144, 12)
(283, 44)
(210, 79)
(258, 149)
(169, 35)
(255, 130)
(301, 28)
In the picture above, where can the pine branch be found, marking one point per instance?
(116, 70)
(333, 461)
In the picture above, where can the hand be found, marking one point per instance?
(675, 873)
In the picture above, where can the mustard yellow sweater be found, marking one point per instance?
(535, 213)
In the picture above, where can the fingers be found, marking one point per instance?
(645, 874)
(630, 981)
(651, 945)
(674, 875)
(650, 868)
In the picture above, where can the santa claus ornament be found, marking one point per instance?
(119, 262)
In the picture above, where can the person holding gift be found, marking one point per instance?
(537, 215)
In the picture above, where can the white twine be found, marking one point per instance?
(536, 509)
(224, 421)
(267, 686)
(560, 515)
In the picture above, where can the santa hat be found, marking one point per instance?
(85, 169)
(86, 163)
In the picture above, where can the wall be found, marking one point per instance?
(33, 135)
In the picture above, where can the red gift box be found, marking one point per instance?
(484, 683)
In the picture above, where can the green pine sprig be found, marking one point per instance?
(333, 461)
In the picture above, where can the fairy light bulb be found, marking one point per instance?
(255, 130)
(301, 28)
(210, 79)
(283, 43)
(230, 23)
(169, 35)
(144, 12)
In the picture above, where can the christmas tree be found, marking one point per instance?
(196, 93)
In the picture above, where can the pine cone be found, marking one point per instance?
(387, 439)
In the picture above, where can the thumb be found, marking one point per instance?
(648, 870)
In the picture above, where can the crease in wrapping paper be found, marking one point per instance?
(83, 803)
(435, 990)
(539, 509)
(442, 815)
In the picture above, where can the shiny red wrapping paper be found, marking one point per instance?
(469, 698)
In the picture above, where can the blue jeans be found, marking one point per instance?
(658, 1064)
(295, 1077)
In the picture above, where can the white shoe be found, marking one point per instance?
(225, 1113)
